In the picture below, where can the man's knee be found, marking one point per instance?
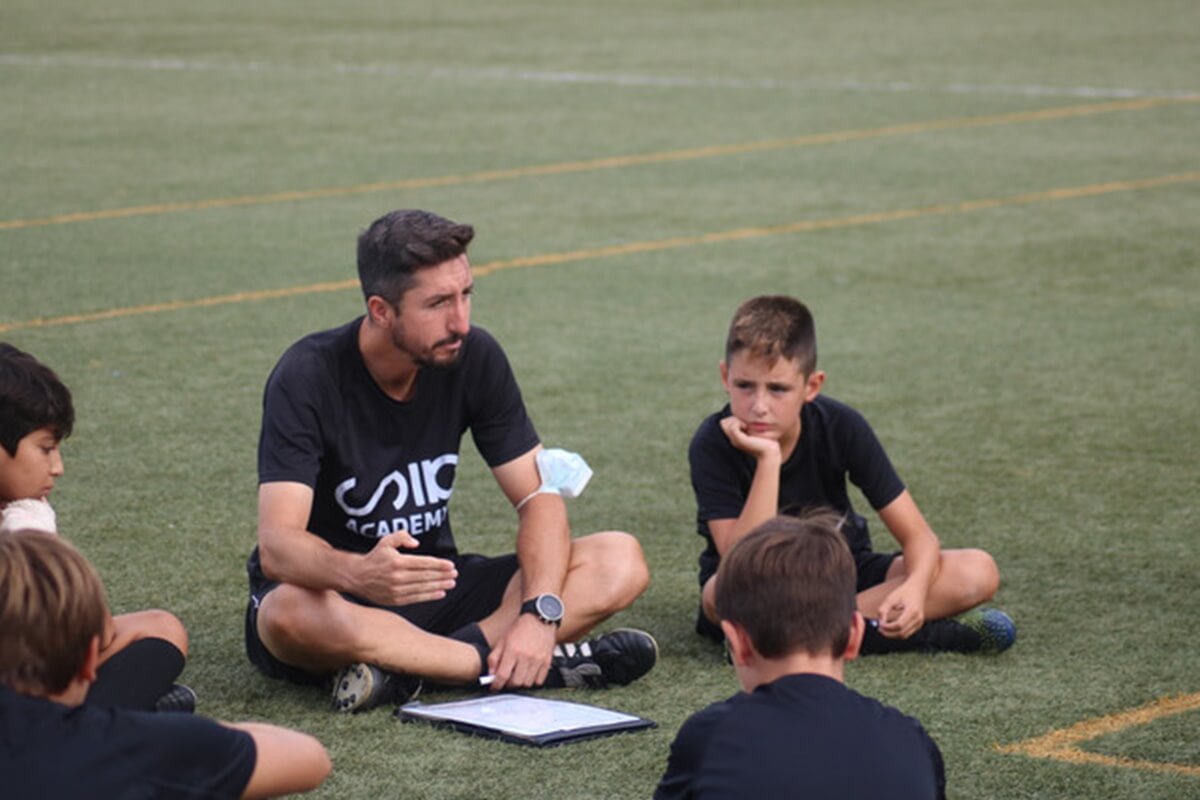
(293, 620)
(618, 558)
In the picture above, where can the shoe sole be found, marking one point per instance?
(352, 686)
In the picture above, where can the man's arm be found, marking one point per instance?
(903, 610)
(291, 554)
(286, 761)
(522, 655)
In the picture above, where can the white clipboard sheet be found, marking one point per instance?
(522, 719)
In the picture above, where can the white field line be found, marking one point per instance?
(515, 75)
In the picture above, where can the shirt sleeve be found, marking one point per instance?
(868, 465)
(500, 425)
(196, 757)
(290, 442)
(687, 753)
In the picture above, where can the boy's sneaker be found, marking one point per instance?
(615, 658)
(179, 698)
(980, 630)
(361, 687)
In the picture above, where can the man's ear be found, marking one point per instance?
(812, 386)
(858, 626)
(379, 311)
(740, 647)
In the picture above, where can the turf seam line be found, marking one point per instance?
(624, 79)
(630, 248)
(610, 162)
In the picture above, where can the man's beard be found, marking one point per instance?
(429, 358)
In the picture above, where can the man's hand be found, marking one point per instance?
(757, 446)
(902, 612)
(389, 577)
(522, 657)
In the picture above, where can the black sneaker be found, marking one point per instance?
(615, 658)
(361, 687)
(980, 630)
(179, 698)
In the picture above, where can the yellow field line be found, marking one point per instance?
(630, 248)
(614, 162)
(1061, 745)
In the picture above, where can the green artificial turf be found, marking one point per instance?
(1029, 361)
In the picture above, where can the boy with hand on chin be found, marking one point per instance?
(780, 445)
(797, 730)
(142, 652)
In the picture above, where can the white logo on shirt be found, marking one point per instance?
(421, 484)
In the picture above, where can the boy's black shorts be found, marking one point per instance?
(476, 594)
(871, 568)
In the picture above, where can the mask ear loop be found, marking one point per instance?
(533, 494)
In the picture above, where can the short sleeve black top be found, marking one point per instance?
(49, 751)
(836, 444)
(377, 465)
(802, 736)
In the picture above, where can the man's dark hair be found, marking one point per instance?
(790, 583)
(773, 327)
(31, 398)
(399, 243)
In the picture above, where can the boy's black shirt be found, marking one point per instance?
(836, 444)
(802, 735)
(51, 751)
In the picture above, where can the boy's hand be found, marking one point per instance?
(903, 612)
(392, 578)
(757, 446)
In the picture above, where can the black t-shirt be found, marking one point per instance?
(377, 465)
(802, 736)
(50, 751)
(836, 444)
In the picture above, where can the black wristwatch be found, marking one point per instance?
(548, 608)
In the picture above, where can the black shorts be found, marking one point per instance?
(870, 567)
(477, 593)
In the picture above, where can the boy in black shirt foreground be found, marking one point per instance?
(797, 730)
(780, 446)
(52, 610)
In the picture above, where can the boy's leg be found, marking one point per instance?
(965, 579)
(137, 675)
(152, 623)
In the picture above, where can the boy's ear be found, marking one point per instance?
(724, 374)
(858, 626)
(91, 662)
(740, 647)
(812, 386)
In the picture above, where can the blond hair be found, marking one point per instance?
(52, 604)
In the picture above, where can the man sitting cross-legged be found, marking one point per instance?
(356, 570)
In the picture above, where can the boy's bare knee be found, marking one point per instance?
(982, 576)
(153, 623)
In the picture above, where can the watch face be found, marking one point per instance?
(549, 607)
